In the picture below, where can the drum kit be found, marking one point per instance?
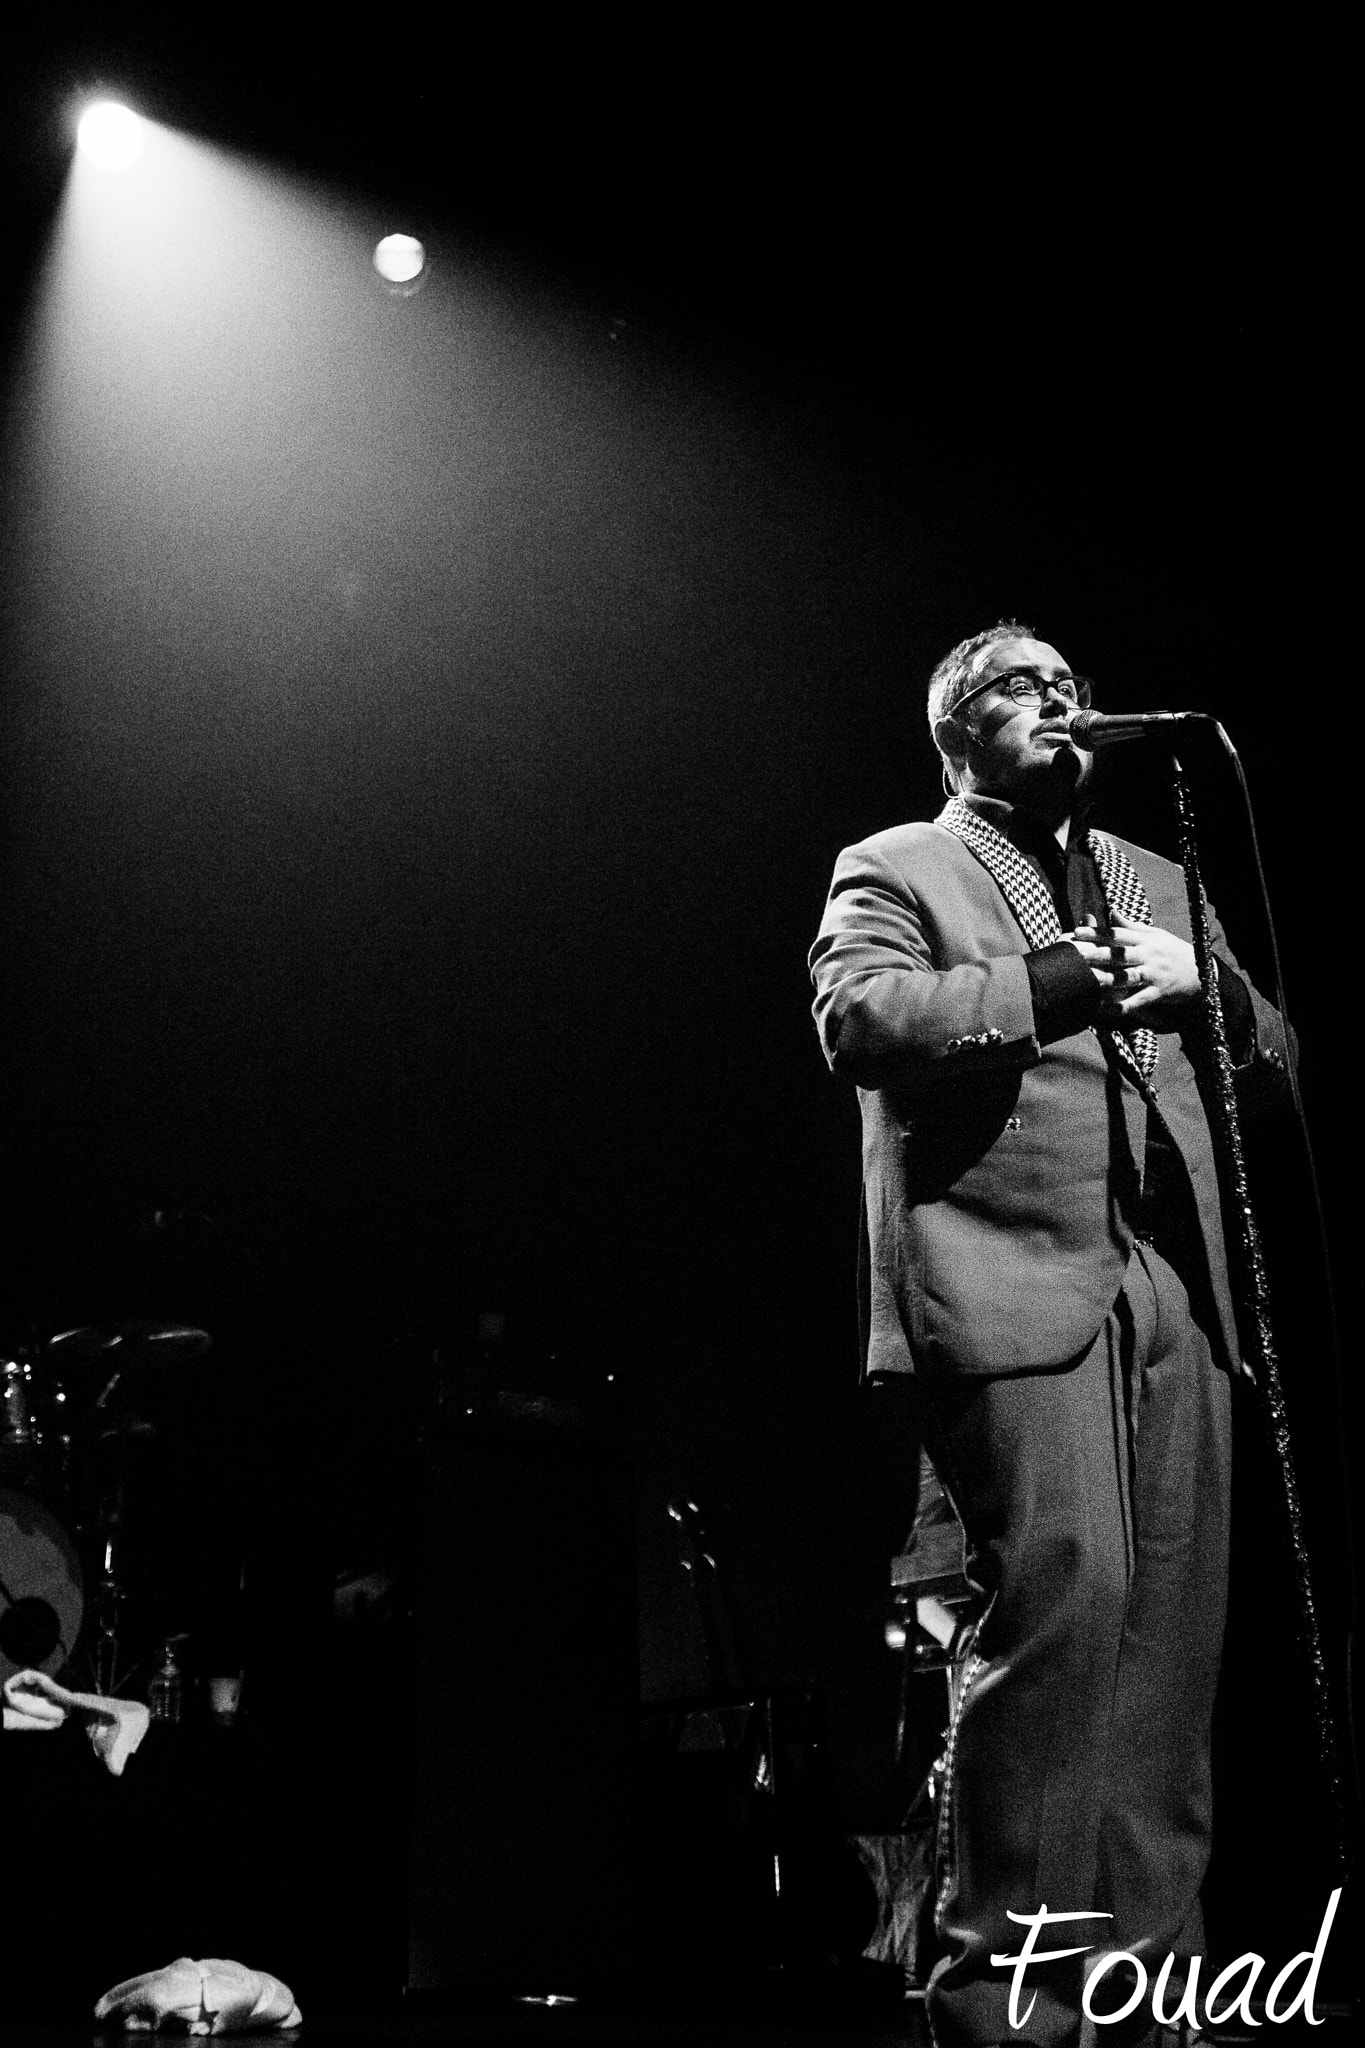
(70, 1414)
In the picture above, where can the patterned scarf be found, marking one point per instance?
(1031, 901)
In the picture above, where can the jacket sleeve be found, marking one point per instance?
(886, 1010)
(1259, 1043)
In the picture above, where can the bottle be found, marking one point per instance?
(165, 1692)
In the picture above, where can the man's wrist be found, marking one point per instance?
(1066, 995)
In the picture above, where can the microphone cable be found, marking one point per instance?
(1328, 1288)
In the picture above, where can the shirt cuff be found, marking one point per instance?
(1066, 995)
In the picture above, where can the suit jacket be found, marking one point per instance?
(1000, 1175)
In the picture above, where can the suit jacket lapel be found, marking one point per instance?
(1031, 903)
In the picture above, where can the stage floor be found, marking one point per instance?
(643, 2026)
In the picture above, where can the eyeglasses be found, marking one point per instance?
(1025, 686)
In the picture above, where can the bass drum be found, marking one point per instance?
(42, 1591)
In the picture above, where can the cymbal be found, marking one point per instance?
(126, 1347)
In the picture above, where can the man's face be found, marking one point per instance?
(1021, 751)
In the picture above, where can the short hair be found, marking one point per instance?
(953, 677)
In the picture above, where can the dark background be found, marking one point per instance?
(430, 724)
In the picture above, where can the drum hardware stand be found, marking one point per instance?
(110, 1593)
(104, 1658)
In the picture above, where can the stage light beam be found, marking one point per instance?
(110, 135)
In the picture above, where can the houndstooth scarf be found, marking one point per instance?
(1031, 901)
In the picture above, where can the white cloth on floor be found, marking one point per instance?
(115, 1727)
(30, 1710)
(209, 1997)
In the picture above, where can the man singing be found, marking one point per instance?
(1016, 998)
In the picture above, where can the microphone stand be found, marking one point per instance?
(1254, 1291)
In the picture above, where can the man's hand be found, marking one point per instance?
(1147, 974)
(1095, 948)
(1155, 973)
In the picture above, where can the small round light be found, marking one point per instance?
(110, 135)
(400, 261)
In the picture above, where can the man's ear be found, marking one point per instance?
(950, 739)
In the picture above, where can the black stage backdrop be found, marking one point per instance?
(430, 722)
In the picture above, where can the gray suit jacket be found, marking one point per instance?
(999, 1174)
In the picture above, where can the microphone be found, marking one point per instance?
(1091, 729)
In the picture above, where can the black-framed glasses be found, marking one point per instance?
(1025, 686)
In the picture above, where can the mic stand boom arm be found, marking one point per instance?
(1253, 1293)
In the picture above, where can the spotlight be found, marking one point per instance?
(110, 135)
(401, 262)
